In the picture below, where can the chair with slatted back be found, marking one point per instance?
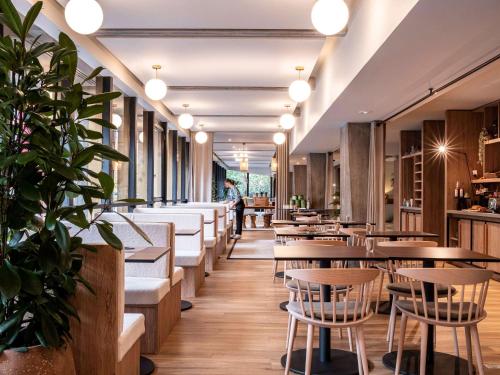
(282, 241)
(351, 312)
(399, 287)
(465, 312)
(357, 238)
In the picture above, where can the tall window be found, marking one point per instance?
(158, 148)
(141, 137)
(259, 184)
(241, 180)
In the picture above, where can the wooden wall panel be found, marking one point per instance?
(299, 180)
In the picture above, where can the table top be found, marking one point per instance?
(260, 207)
(326, 252)
(146, 254)
(396, 233)
(187, 232)
(306, 232)
(316, 222)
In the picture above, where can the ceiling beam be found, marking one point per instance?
(236, 115)
(228, 88)
(212, 33)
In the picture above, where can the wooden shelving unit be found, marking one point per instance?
(487, 181)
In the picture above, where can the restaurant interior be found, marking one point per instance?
(249, 187)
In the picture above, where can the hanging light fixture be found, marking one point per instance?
(141, 137)
(287, 120)
(330, 16)
(201, 137)
(186, 120)
(83, 16)
(244, 165)
(279, 138)
(116, 120)
(155, 88)
(299, 90)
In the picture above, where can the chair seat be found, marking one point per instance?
(292, 284)
(133, 328)
(178, 275)
(210, 242)
(405, 288)
(188, 258)
(145, 290)
(408, 306)
(328, 308)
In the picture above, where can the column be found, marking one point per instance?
(282, 178)
(148, 131)
(316, 180)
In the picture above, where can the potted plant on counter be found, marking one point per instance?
(45, 151)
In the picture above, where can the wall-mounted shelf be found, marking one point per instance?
(486, 181)
(412, 155)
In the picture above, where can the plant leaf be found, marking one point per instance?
(62, 236)
(107, 183)
(107, 235)
(136, 228)
(11, 17)
(31, 17)
(10, 282)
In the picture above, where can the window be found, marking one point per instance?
(259, 184)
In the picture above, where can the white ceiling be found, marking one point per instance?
(435, 42)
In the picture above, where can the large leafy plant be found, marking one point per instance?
(45, 151)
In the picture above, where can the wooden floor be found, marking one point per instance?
(236, 327)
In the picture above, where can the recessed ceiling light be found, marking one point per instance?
(229, 139)
(363, 112)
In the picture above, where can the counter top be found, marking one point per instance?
(411, 209)
(484, 216)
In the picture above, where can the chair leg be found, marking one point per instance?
(469, 350)
(358, 353)
(392, 328)
(477, 349)
(455, 339)
(379, 294)
(309, 350)
(391, 317)
(349, 337)
(275, 269)
(291, 340)
(291, 298)
(423, 347)
(401, 342)
(362, 349)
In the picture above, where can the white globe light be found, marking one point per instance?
(186, 121)
(141, 137)
(299, 91)
(201, 137)
(330, 16)
(116, 119)
(279, 138)
(84, 16)
(287, 121)
(156, 89)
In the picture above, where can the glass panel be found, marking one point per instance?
(158, 137)
(141, 160)
(120, 141)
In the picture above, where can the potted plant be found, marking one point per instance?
(45, 152)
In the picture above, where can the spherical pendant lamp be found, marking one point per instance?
(287, 120)
(279, 138)
(155, 88)
(299, 90)
(141, 137)
(186, 120)
(201, 137)
(84, 16)
(116, 120)
(330, 17)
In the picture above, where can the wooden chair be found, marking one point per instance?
(351, 312)
(465, 313)
(282, 241)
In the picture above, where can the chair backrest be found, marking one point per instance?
(210, 215)
(357, 238)
(222, 211)
(306, 219)
(354, 285)
(95, 337)
(472, 288)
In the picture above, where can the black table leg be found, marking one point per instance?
(147, 366)
(186, 305)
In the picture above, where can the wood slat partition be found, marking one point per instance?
(282, 176)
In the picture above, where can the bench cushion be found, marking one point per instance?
(188, 258)
(133, 328)
(145, 290)
(210, 241)
(178, 275)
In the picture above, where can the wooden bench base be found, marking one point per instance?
(131, 363)
(210, 258)
(194, 278)
(159, 320)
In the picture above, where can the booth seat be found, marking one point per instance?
(223, 232)
(210, 220)
(106, 340)
(148, 286)
(189, 249)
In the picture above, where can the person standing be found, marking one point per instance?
(237, 203)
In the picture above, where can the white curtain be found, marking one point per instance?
(200, 170)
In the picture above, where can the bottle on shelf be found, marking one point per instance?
(457, 189)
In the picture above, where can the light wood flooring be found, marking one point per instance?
(236, 327)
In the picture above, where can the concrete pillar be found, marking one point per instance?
(316, 180)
